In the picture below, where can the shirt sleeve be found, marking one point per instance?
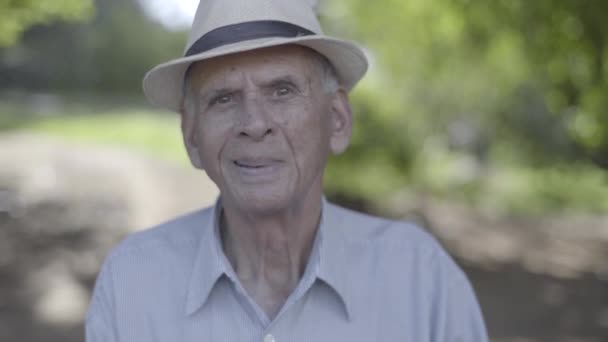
(100, 320)
(464, 321)
(457, 316)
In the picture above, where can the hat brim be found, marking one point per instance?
(163, 84)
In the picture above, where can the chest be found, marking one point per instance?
(318, 315)
(267, 297)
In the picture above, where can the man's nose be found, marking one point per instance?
(255, 121)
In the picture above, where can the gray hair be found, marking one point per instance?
(329, 80)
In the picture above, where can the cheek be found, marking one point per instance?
(211, 138)
(305, 117)
(308, 132)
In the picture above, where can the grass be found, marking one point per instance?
(157, 134)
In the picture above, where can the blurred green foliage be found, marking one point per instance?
(108, 54)
(462, 90)
(500, 104)
(16, 16)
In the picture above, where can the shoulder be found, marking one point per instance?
(401, 244)
(359, 227)
(177, 238)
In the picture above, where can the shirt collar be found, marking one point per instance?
(328, 251)
(333, 261)
(208, 264)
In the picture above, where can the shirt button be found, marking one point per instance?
(269, 338)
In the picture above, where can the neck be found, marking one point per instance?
(279, 241)
(269, 253)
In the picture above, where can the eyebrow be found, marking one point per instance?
(208, 92)
(281, 80)
(218, 91)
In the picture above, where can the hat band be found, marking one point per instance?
(245, 31)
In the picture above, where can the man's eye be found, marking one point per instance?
(282, 91)
(221, 99)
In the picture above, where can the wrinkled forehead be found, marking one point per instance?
(293, 60)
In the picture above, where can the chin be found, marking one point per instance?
(260, 202)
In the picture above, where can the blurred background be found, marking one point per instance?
(484, 121)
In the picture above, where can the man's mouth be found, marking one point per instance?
(257, 167)
(250, 164)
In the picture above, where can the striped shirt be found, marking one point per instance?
(367, 279)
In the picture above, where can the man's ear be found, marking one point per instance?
(341, 122)
(188, 125)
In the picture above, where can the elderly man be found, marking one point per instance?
(263, 100)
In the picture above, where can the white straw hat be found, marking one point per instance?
(224, 27)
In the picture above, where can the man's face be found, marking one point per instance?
(263, 126)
